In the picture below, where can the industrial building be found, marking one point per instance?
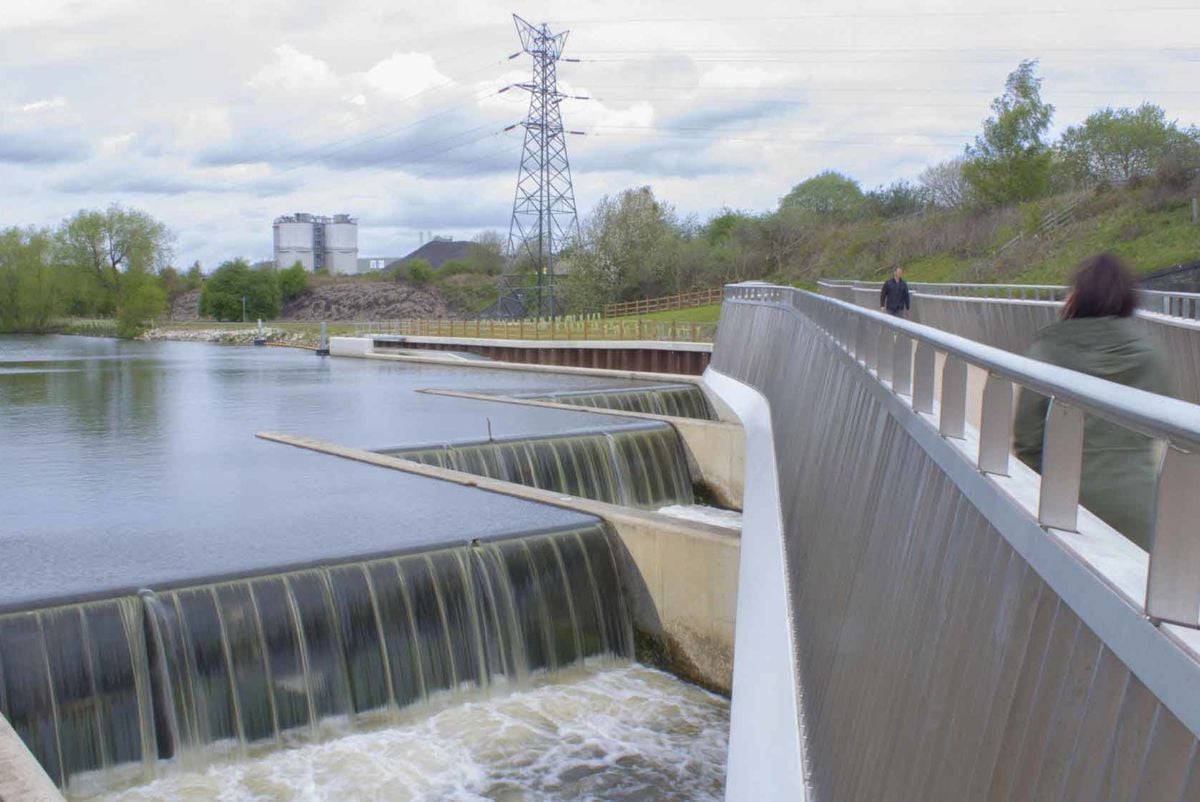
(317, 242)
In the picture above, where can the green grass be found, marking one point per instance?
(1148, 239)
(694, 314)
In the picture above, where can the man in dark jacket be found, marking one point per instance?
(893, 298)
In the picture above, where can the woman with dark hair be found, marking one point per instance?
(1098, 335)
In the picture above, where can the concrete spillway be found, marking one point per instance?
(946, 646)
(120, 685)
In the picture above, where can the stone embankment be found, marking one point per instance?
(352, 300)
(246, 336)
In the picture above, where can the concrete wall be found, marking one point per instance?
(22, 778)
(947, 647)
(684, 574)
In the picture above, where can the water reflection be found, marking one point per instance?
(127, 461)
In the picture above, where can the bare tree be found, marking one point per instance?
(946, 184)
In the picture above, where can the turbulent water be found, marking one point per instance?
(621, 733)
(730, 519)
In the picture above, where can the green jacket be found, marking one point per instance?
(1119, 466)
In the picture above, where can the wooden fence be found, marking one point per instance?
(665, 303)
(560, 329)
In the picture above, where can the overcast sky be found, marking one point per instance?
(218, 116)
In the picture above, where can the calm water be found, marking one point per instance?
(126, 464)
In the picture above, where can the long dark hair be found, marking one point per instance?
(1102, 286)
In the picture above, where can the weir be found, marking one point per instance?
(114, 691)
(642, 466)
(957, 626)
(675, 400)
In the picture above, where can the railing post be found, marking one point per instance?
(924, 378)
(1062, 465)
(995, 426)
(902, 363)
(886, 353)
(870, 343)
(953, 416)
(1173, 583)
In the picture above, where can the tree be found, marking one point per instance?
(293, 280)
(828, 194)
(724, 227)
(234, 280)
(897, 199)
(629, 246)
(1010, 162)
(107, 244)
(418, 272)
(194, 277)
(945, 184)
(29, 291)
(142, 299)
(1119, 145)
(486, 253)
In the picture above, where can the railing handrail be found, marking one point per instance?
(886, 344)
(869, 283)
(1149, 413)
(1184, 305)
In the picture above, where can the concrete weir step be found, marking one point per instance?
(684, 573)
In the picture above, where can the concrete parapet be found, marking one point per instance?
(684, 574)
(948, 647)
(22, 778)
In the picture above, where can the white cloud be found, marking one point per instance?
(405, 75)
(124, 101)
(49, 104)
(295, 72)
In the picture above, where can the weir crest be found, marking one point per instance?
(110, 692)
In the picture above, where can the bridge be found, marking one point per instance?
(921, 616)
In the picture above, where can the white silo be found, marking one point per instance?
(341, 244)
(294, 241)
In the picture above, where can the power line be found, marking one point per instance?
(859, 15)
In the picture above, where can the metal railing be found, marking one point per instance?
(1173, 304)
(1016, 292)
(904, 355)
(574, 329)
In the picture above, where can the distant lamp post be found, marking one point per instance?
(243, 308)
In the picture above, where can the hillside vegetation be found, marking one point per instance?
(1151, 228)
(996, 212)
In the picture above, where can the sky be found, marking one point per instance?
(216, 117)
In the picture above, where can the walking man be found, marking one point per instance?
(893, 298)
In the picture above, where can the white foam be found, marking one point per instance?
(730, 519)
(583, 734)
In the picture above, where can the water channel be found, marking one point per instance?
(133, 466)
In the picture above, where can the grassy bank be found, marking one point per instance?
(1148, 226)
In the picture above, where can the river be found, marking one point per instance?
(129, 464)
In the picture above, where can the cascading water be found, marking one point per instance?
(641, 466)
(678, 400)
(124, 683)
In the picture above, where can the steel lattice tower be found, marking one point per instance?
(543, 217)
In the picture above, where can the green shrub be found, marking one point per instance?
(293, 280)
(234, 280)
(418, 272)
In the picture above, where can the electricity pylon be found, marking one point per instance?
(543, 217)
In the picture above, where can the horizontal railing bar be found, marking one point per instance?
(1148, 413)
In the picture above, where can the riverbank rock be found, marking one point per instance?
(375, 300)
